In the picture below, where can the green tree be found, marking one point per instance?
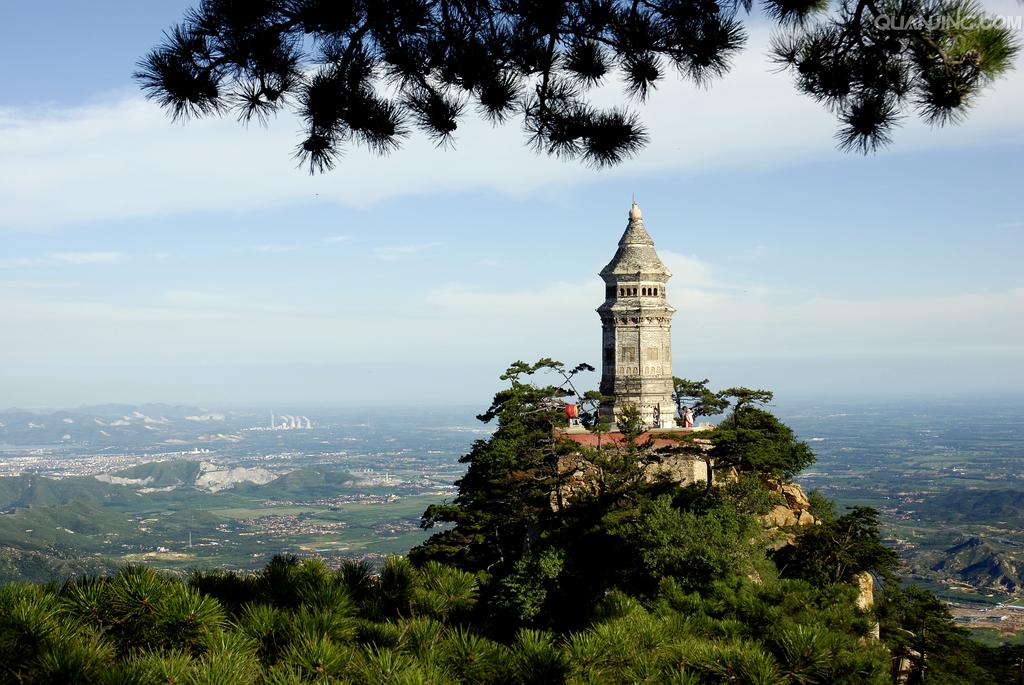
(510, 476)
(744, 398)
(838, 549)
(753, 440)
(696, 395)
(918, 626)
(538, 60)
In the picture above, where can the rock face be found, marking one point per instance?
(665, 462)
(795, 512)
(866, 600)
(578, 477)
(682, 469)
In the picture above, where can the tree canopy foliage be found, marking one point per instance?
(696, 395)
(369, 72)
(755, 440)
(632, 580)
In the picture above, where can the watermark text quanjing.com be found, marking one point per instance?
(957, 22)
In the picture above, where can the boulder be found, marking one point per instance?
(795, 497)
(796, 510)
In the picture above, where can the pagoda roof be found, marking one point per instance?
(636, 255)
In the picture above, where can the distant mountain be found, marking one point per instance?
(982, 565)
(122, 425)
(81, 525)
(32, 490)
(308, 483)
(201, 475)
(158, 478)
(158, 474)
(978, 506)
(42, 567)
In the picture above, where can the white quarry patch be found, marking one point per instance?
(66, 420)
(158, 422)
(100, 422)
(36, 425)
(116, 480)
(205, 418)
(214, 478)
(104, 433)
(221, 437)
(121, 422)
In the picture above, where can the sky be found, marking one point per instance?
(148, 261)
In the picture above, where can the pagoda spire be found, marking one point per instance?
(636, 233)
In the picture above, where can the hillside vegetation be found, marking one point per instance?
(46, 523)
(632, 581)
(980, 564)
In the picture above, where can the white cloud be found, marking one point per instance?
(87, 257)
(192, 299)
(731, 321)
(457, 334)
(688, 270)
(54, 258)
(124, 158)
(393, 253)
(15, 284)
(21, 262)
(273, 248)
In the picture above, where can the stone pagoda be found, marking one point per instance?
(636, 322)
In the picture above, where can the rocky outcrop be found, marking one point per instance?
(578, 477)
(784, 516)
(795, 512)
(866, 600)
(682, 469)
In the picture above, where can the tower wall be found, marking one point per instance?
(636, 324)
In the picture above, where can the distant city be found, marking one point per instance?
(181, 487)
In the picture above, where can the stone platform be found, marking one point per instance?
(661, 437)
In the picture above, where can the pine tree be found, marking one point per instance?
(362, 72)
